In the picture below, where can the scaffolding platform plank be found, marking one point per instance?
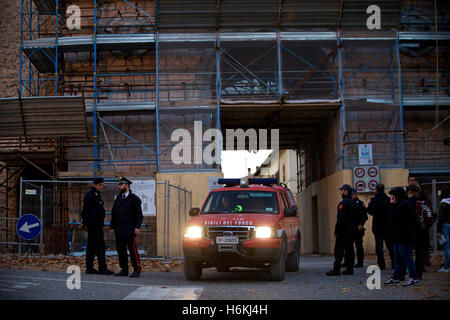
(104, 174)
(424, 101)
(59, 116)
(270, 14)
(42, 52)
(121, 107)
(12, 156)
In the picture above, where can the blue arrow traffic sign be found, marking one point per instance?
(28, 227)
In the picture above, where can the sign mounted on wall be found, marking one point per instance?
(145, 190)
(366, 178)
(365, 154)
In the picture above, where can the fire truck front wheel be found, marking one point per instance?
(278, 267)
(192, 269)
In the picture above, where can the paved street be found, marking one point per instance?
(238, 284)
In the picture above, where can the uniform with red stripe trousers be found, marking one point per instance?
(126, 220)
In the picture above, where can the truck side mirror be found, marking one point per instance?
(290, 212)
(194, 212)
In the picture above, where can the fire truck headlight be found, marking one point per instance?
(194, 232)
(264, 232)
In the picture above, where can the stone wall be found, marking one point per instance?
(9, 48)
(9, 85)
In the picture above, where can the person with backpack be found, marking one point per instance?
(404, 237)
(423, 218)
(443, 227)
(413, 181)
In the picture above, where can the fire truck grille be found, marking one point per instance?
(244, 233)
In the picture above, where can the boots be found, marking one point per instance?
(336, 270)
(333, 272)
(360, 264)
(348, 271)
(122, 273)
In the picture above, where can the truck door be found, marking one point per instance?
(289, 222)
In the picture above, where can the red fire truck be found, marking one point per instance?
(247, 223)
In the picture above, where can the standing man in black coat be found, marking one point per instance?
(404, 236)
(362, 218)
(126, 219)
(344, 232)
(378, 208)
(92, 218)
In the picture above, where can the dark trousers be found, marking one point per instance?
(344, 247)
(379, 239)
(419, 248)
(124, 243)
(359, 248)
(427, 247)
(95, 247)
(404, 259)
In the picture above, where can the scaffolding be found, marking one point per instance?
(148, 67)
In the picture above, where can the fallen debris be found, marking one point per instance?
(60, 264)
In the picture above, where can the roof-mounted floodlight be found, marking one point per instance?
(244, 182)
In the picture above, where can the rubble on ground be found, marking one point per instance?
(59, 263)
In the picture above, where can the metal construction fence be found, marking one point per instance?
(177, 202)
(434, 189)
(58, 205)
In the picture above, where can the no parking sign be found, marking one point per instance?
(360, 186)
(366, 178)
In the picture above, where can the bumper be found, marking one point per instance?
(251, 253)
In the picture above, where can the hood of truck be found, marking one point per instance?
(238, 219)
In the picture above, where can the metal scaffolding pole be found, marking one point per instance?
(41, 209)
(400, 84)
(20, 213)
(341, 89)
(218, 97)
(157, 97)
(435, 209)
(95, 116)
(56, 48)
(279, 66)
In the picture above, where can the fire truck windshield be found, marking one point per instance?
(245, 201)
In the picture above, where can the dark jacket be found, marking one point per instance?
(93, 212)
(403, 222)
(420, 227)
(379, 208)
(444, 214)
(347, 218)
(362, 212)
(126, 215)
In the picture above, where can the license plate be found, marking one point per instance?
(227, 240)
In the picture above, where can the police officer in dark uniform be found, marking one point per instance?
(126, 219)
(362, 218)
(92, 218)
(344, 232)
(359, 235)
